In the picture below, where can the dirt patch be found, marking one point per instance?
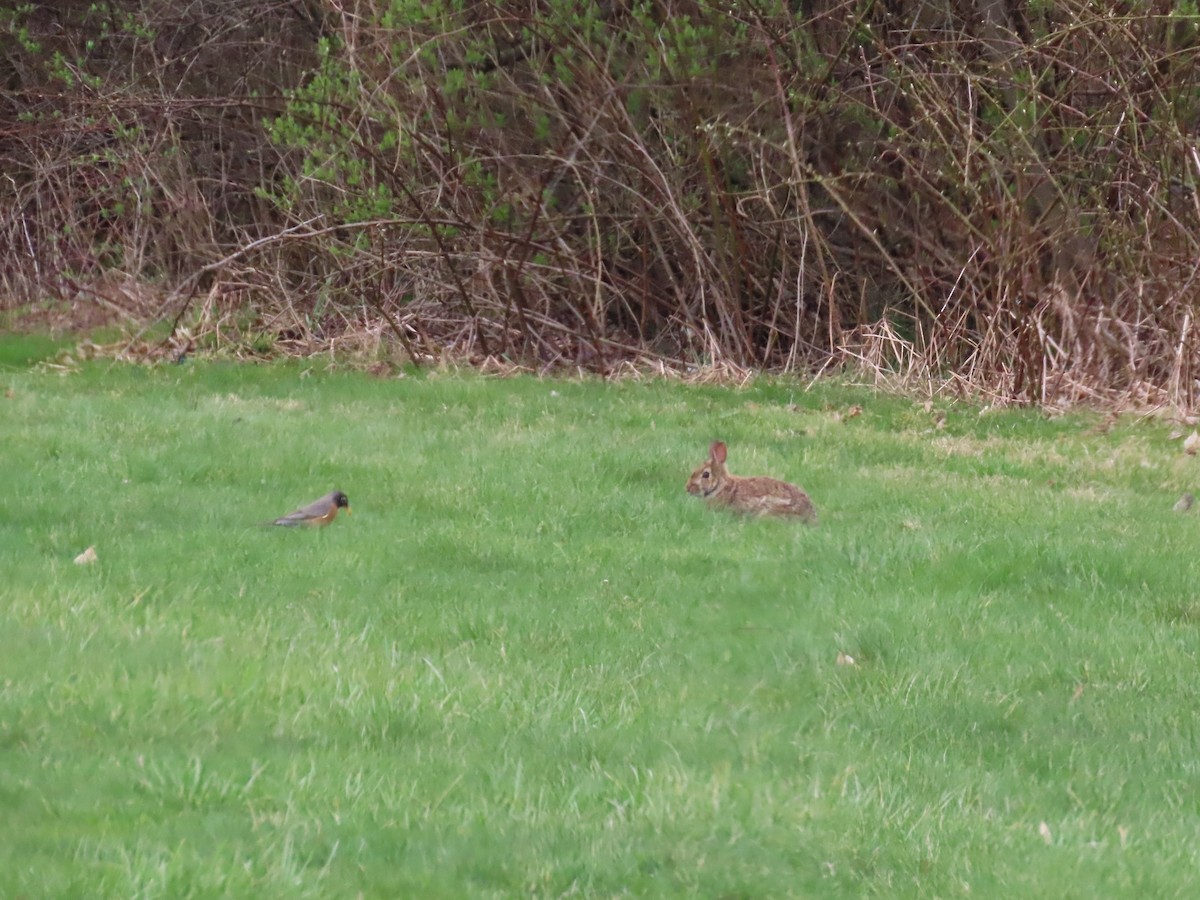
(109, 303)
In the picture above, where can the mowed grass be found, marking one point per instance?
(530, 665)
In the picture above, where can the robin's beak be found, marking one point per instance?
(347, 510)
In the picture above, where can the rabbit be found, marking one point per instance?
(755, 496)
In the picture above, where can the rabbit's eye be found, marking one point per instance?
(706, 474)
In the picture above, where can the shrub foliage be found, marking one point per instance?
(995, 194)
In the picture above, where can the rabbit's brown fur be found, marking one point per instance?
(755, 496)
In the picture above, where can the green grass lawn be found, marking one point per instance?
(530, 665)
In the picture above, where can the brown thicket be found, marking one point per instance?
(991, 195)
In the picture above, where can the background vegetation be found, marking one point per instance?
(993, 195)
(530, 665)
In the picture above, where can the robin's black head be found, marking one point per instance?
(340, 500)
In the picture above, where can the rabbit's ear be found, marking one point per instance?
(717, 452)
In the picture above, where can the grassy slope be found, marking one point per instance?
(530, 664)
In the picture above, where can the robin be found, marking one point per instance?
(319, 512)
